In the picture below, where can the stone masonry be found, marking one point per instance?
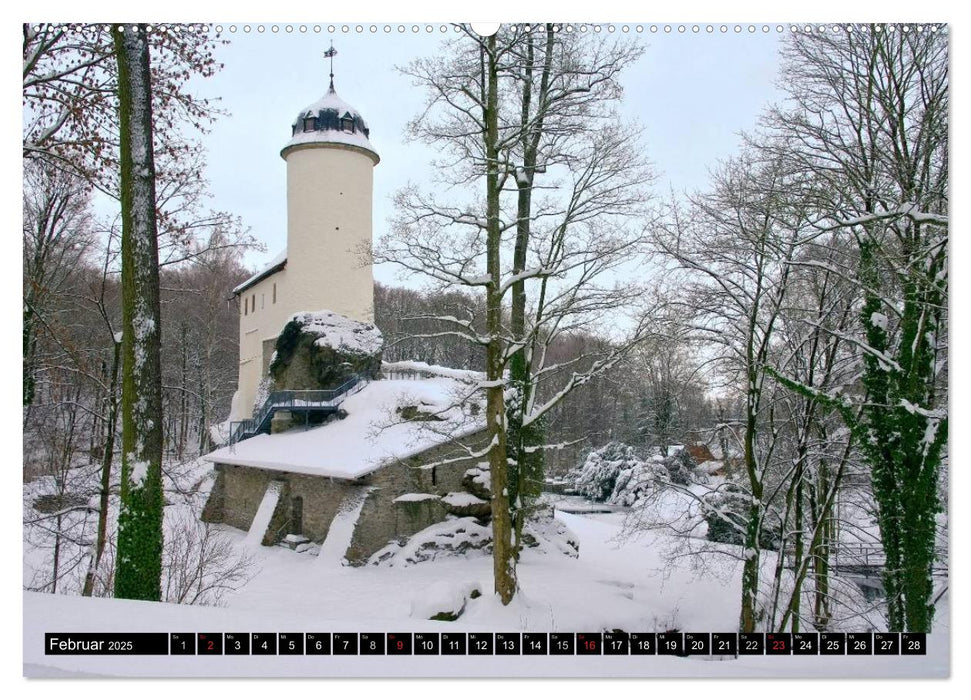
(238, 492)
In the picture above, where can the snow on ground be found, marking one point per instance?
(642, 582)
(370, 436)
(615, 583)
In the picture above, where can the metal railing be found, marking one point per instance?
(308, 399)
(847, 556)
(858, 555)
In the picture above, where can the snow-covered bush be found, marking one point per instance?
(682, 469)
(597, 478)
(726, 512)
(615, 474)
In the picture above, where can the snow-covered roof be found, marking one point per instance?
(334, 122)
(277, 263)
(372, 435)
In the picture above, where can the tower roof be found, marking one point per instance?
(331, 120)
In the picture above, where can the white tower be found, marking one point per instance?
(329, 196)
(327, 264)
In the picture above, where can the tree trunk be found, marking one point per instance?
(106, 459)
(796, 600)
(529, 463)
(183, 395)
(139, 556)
(503, 553)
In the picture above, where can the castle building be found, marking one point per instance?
(290, 484)
(326, 264)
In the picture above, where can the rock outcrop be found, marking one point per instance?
(323, 350)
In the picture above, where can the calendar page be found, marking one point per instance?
(554, 350)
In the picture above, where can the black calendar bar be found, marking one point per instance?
(121, 643)
(613, 643)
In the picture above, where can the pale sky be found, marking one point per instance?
(693, 93)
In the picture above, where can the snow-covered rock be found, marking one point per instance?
(462, 503)
(444, 600)
(453, 537)
(478, 482)
(548, 535)
(322, 350)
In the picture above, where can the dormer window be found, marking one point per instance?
(347, 123)
(309, 123)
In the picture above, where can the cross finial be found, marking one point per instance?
(330, 53)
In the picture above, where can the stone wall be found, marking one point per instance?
(383, 520)
(238, 491)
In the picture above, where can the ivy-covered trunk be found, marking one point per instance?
(902, 432)
(138, 562)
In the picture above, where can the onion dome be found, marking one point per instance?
(331, 121)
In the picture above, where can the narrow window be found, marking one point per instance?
(296, 515)
(262, 301)
(434, 476)
(308, 124)
(274, 292)
(245, 306)
(253, 302)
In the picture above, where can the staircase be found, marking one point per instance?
(318, 401)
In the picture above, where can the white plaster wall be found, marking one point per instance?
(263, 322)
(329, 199)
(329, 196)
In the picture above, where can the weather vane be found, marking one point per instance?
(330, 53)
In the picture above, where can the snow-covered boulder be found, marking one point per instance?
(322, 350)
(478, 482)
(453, 537)
(462, 504)
(546, 534)
(444, 600)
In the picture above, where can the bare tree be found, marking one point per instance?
(57, 235)
(563, 251)
(199, 565)
(735, 245)
(70, 84)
